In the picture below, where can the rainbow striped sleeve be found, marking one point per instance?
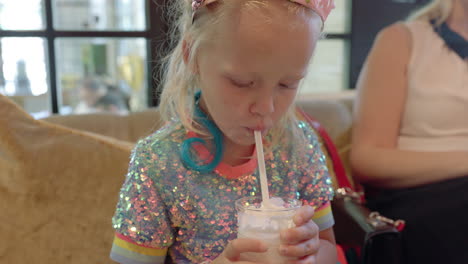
(323, 217)
(125, 251)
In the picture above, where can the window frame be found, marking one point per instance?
(154, 33)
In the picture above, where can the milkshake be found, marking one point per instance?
(264, 221)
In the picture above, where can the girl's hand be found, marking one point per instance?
(301, 242)
(232, 252)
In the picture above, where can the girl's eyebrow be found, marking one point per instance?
(236, 74)
(295, 77)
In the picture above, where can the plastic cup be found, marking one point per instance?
(256, 221)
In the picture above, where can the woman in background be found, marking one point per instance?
(410, 140)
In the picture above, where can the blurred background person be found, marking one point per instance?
(97, 95)
(410, 139)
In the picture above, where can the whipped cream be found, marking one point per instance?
(273, 203)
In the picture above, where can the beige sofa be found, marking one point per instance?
(60, 177)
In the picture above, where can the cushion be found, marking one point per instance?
(129, 127)
(58, 190)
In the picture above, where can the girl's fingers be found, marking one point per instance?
(305, 249)
(238, 246)
(307, 260)
(303, 215)
(299, 234)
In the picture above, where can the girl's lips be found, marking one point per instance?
(252, 130)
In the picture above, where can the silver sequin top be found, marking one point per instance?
(163, 204)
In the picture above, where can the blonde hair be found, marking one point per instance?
(438, 10)
(180, 83)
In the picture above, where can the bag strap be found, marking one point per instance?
(340, 172)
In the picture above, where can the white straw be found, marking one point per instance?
(261, 167)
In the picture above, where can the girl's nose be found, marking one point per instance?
(263, 105)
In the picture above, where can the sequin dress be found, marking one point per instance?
(165, 208)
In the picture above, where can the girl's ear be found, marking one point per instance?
(186, 52)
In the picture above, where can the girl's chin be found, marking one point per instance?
(243, 137)
(242, 140)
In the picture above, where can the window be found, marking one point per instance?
(67, 56)
(328, 71)
(61, 56)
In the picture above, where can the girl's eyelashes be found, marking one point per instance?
(239, 83)
(249, 83)
(288, 86)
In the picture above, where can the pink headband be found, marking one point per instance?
(322, 7)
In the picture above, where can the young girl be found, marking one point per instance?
(236, 69)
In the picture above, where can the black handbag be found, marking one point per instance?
(366, 237)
